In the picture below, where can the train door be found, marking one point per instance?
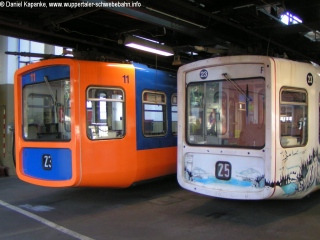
(107, 109)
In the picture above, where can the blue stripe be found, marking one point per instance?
(33, 165)
(52, 72)
(156, 80)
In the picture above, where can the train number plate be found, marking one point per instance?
(46, 162)
(223, 170)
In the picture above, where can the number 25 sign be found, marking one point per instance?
(223, 170)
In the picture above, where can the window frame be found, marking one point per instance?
(150, 102)
(174, 102)
(292, 140)
(92, 129)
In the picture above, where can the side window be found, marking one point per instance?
(293, 117)
(174, 114)
(154, 114)
(105, 113)
(319, 118)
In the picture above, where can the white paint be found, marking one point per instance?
(45, 221)
(38, 208)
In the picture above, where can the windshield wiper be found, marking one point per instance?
(236, 86)
(53, 98)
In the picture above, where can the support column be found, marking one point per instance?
(8, 65)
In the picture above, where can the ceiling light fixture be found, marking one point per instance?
(313, 36)
(148, 46)
(176, 60)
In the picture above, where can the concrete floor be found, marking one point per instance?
(157, 210)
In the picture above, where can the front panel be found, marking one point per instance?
(44, 118)
(223, 139)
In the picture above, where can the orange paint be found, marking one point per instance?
(104, 162)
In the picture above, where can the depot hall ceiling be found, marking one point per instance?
(195, 29)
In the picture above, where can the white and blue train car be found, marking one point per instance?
(248, 127)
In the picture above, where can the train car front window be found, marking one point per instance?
(46, 111)
(105, 113)
(226, 112)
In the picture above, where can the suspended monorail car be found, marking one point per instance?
(249, 127)
(85, 123)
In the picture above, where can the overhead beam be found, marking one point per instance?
(242, 28)
(294, 28)
(145, 15)
(158, 19)
(121, 54)
(74, 15)
(35, 34)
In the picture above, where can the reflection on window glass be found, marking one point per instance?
(154, 113)
(221, 99)
(226, 113)
(102, 107)
(105, 113)
(47, 116)
(293, 117)
(174, 114)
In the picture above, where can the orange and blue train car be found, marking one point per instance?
(94, 124)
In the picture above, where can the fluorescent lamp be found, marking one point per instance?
(148, 46)
(313, 36)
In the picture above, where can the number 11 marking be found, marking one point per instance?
(125, 78)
